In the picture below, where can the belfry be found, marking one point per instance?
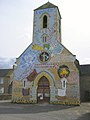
(46, 71)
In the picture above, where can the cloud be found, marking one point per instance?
(7, 63)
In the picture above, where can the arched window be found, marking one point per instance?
(24, 83)
(64, 81)
(44, 21)
(44, 39)
(64, 84)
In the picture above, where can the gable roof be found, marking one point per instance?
(4, 72)
(46, 5)
(85, 69)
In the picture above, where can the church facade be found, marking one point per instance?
(46, 71)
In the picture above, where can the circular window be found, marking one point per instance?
(44, 56)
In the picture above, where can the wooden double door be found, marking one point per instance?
(43, 91)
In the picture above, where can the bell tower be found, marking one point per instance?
(47, 24)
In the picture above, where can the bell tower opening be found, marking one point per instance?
(44, 21)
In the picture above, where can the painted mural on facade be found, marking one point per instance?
(46, 58)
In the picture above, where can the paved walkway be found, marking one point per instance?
(10, 111)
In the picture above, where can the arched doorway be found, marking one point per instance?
(43, 90)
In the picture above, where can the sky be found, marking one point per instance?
(16, 27)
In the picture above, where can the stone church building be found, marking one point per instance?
(46, 71)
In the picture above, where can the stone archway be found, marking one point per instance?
(46, 91)
(47, 75)
(43, 90)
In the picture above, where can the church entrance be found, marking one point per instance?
(43, 90)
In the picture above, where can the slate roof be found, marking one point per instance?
(46, 5)
(85, 69)
(4, 72)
